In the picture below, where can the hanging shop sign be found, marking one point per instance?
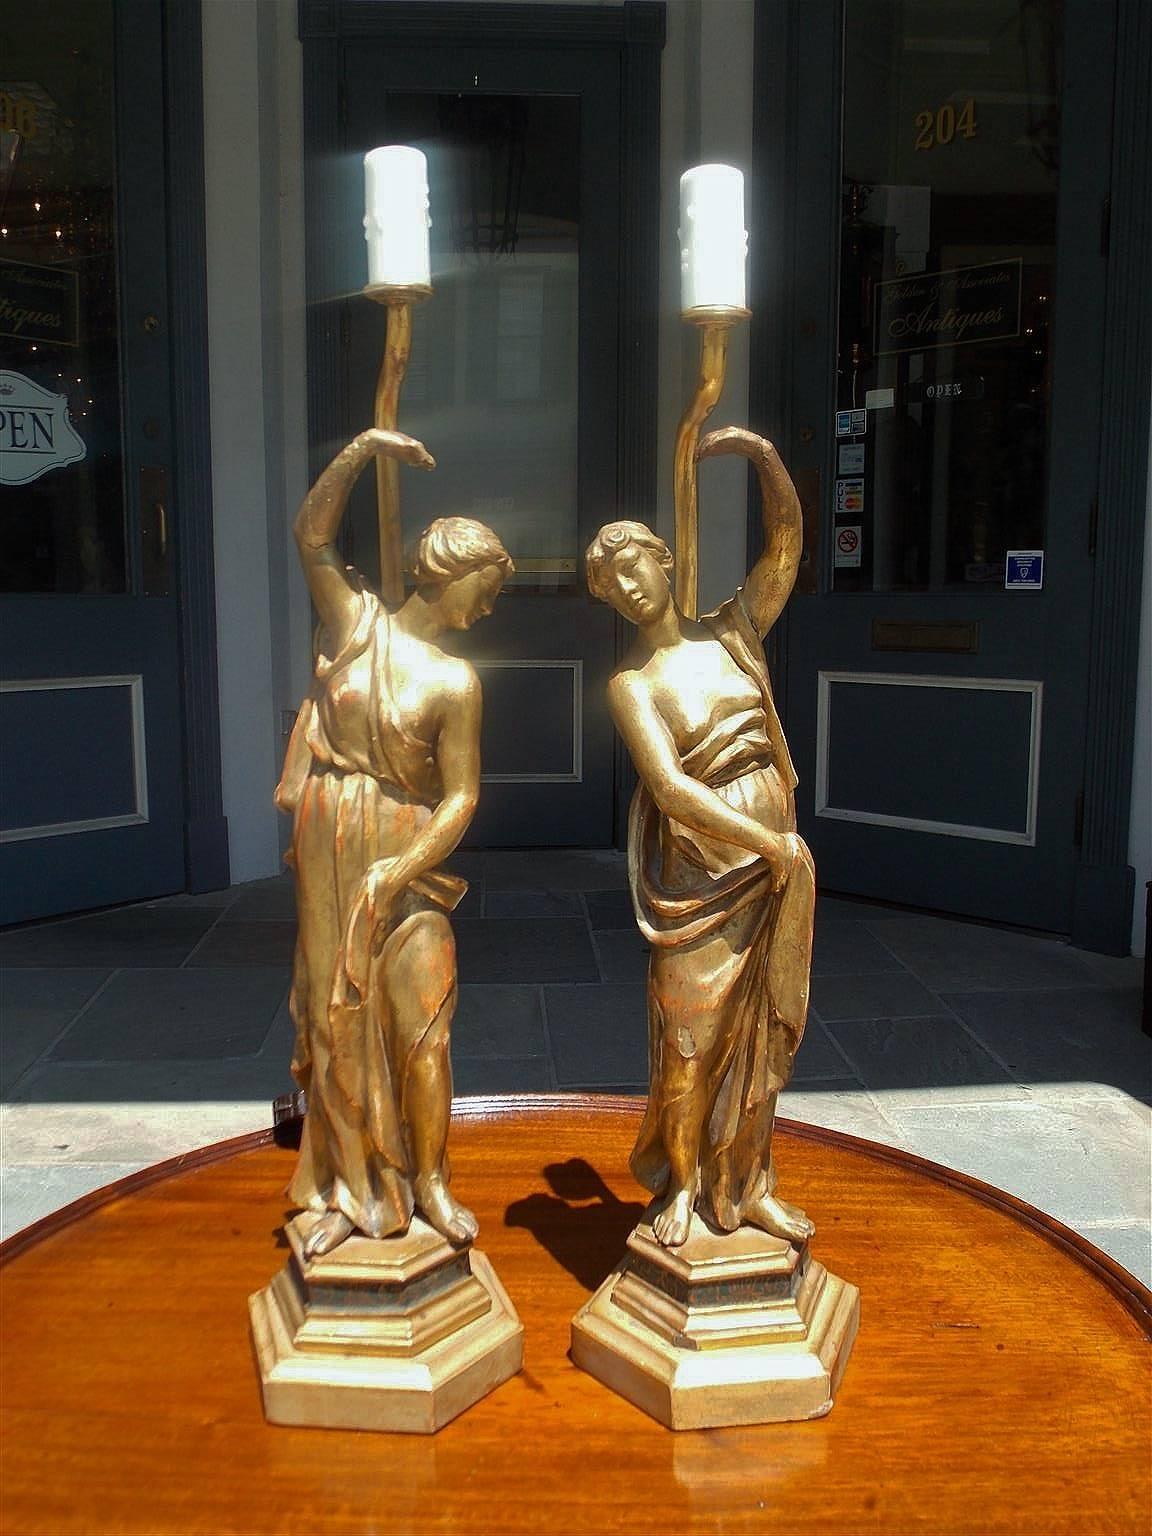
(942, 391)
(39, 303)
(36, 432)
(956, 308)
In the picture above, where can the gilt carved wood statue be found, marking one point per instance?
(382, 779)
(718, 1313)
(385, 1316)
(722, 885)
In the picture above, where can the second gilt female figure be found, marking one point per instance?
(722, 885)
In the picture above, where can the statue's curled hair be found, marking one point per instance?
(451, 547)
(609, 542)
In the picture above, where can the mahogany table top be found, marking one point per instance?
(999, 1383)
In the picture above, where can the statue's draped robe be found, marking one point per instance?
(728, 976)
(361, 784)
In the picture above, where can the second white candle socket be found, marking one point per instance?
(396, 221)
(713, 240)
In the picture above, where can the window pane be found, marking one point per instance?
(948, 239)
(61, 461)
(492, 380)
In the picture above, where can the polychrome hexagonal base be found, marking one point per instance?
(733, 1328)
(401, 1334)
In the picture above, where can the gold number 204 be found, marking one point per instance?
(945, 124)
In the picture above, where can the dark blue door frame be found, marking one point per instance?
(162, 631)
(205, 825)
(797, 188)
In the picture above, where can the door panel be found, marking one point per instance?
(89, 703)
(512, 385)
(936, 715)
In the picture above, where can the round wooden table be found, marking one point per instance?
(1000, 1380)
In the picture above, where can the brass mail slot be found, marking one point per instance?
(922, 635)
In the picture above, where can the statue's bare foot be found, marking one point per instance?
(672, 1222)
(331, 1230)
(780, 1219)
(453, 1220)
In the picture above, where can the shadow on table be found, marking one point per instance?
(582, 1224)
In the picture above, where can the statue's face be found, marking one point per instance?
(471, 597)
(636, 584)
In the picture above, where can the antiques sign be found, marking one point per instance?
(39, 303)
(949, 309)
(36, 432)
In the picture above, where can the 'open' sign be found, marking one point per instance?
(36, 431)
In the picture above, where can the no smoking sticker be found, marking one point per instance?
(849, 540)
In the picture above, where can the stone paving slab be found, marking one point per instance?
(1066, 1041)
(965, 957)
(819, 1057)
(177, 1015)
(528, 949)
(32, 1192)
(128, 936)
(503, 1021)
(1129, 1243)
(849, 949)
(533, 904)
(622, 953)
(485, 1074)
(918, 1058)
(876, 995)
(36, 1006)
(1080, 1162)
(598, 1034)
(257, 942)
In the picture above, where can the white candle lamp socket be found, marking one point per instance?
(713, 239)
(396, 221)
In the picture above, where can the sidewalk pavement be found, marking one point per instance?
(142, 1032)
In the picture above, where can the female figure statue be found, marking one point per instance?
(722, 886)
(382, 777)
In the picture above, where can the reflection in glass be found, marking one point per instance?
(492, 382)
(63, 529)
(948, 237)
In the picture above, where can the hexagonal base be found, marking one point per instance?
(402, 1334)
(735, 1328)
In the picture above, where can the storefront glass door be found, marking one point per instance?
(936, 675)
(91, 810)
(512, 384)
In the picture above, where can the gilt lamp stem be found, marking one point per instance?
(714, 327)
(393, 366)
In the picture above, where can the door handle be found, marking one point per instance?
(154, 563)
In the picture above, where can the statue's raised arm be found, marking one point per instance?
(771, 579)
(318, 522)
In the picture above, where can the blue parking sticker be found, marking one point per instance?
(1024, 568)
